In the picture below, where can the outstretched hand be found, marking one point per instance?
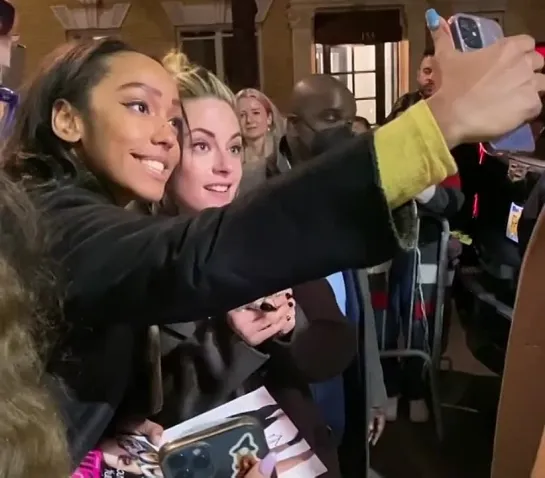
(486, 93)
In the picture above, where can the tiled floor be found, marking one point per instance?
(470, 393)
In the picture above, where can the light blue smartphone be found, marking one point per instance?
(470, 32)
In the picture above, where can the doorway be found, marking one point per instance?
(370, 72)
(362, 49)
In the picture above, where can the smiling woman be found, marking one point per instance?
(91, 130)
(122, 127)
(211, 166)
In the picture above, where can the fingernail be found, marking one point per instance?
(433, 19)
(290, 304)
(288, 295)
(266, 466)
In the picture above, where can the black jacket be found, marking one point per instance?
(124, 271)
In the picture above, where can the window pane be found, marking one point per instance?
(347, 80)
(367, 109)
(364, 85)
(201, 51)
(319, 50)
(341, 58)
(364, 57)
(389, 77)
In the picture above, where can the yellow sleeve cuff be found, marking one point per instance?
(411, 155)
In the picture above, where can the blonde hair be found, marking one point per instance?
(277, 126)
(194, 81)
(276, 130)
(32, 436)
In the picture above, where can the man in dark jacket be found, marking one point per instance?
(428, 83)
(321, 114)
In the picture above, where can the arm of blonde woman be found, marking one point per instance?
(322, 343)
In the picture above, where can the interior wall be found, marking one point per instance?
(146, 27)
(277, 54)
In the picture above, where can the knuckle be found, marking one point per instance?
(524, 43)
(532, 105)
(536, 60)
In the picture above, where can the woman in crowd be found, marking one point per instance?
(98, 128)
(262, 128)
(315, 344)
(261, 122)
(33, 441)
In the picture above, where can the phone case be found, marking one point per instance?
(225, 450)
(486, 33)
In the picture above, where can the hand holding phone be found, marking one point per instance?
(231, 448)
(470, 33)
(487, 92)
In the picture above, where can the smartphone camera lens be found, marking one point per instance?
(179, 464)
(469, 29)
(184, 473)
(201, 459)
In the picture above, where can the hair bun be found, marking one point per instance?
(177, 63)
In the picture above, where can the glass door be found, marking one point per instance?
(370, 72)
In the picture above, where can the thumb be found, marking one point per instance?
(264, 469)
(440, 32)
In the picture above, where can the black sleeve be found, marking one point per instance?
(321, 218)
(530, 214)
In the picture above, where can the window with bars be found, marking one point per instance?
(212, 49)
(370, 72)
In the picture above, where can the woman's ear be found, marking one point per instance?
(269, 120)
(66, 122)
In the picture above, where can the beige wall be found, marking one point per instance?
(277, 54)
(147, 27)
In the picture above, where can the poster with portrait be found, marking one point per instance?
(295, 458)
(132, 456)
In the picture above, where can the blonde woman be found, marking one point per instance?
(283, 350)
(262, 128)
(261, 122)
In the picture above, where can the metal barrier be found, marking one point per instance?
(432, 359)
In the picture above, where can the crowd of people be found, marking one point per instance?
(148, 212)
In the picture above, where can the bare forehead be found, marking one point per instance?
(250, 102)
(209, 111)
(133, 67)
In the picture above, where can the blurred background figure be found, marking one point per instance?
(262, 127)
(261, 122)
(428, 82)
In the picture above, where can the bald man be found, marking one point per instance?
(319, 104)
(321, 115)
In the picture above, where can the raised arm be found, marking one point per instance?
(328, 216)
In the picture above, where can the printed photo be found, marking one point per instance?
(131, 455)
(295, 458)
